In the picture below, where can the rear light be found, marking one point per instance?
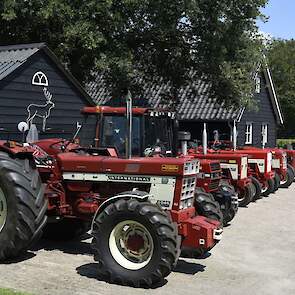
(191, 167)
(187, 192)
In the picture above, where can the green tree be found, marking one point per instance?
(156, 40)
(281, 57)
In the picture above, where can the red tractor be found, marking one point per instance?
(154, 136)
(283, 172)
(235, 170)
(141, 209)
(259, 170)
(210, 179)
(291, 159)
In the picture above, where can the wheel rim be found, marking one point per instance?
(3, 210)
(131, 245)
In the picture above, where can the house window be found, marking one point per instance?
(264, 133)
(249, 128)
(257, 84)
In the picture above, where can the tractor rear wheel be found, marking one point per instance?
(277, 181)
(268, 187)
(205, 206)
(22, 206)
(66, 229)
(135, 243)
(257, 188)
(245, 195)
(289, 178)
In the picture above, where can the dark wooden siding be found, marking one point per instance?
(263, 115)
(17, 92)
(196, 129)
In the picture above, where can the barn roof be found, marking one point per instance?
(13, 57)
(195, 102)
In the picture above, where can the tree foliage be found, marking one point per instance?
(154, 40)
(281, 57)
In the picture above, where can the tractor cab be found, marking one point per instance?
(152, 131)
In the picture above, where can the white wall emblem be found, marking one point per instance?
(40, 79)
(41, 110)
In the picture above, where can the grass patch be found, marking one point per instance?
(11, 292)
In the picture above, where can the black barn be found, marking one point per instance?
(196, 107)
(36, 88)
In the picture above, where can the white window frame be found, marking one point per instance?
(264, 129)
(249, 133)
(257, 84)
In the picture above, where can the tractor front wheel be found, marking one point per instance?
(268, 187)
(245, 195)
(227, 199)
(205, 206)
(257, 188)
(135, 243)
(22, 206)
(289, 178)
(277, 181)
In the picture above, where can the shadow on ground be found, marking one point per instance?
(90, 270)
(189, 268)
(79, 246)
(25, 256)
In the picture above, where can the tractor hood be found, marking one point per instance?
(87, 163)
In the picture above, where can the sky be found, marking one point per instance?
(281, 23)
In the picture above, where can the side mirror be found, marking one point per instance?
(22, 127)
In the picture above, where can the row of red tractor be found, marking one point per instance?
(146, 193)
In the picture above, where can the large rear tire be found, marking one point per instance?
(289, 178)
(22, 206)
(135, 243)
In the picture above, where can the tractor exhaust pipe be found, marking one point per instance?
(184, 137)
(129, 125)
(235, 136)
(205, 138)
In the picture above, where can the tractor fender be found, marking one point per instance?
(139, 195)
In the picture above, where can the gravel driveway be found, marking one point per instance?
(256, 256)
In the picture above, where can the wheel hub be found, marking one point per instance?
(3, 210)
(131, 244)
(135, 243)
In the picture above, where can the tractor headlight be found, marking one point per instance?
(187, 192)
(191, 167)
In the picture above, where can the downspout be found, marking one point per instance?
(205, 138)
